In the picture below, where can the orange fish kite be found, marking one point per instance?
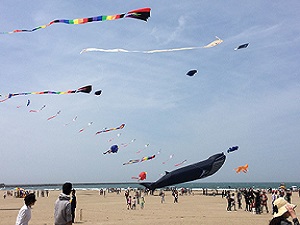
(242, 169)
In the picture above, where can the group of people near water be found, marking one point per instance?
(256, 200)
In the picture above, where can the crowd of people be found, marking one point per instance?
(256, 200)
(137, 199)
(251, 200)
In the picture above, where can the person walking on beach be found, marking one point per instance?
(73, 204)
(284, 210)
(24, 214)
(62, 209)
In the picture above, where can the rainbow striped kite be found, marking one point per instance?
(141, 14)
(85, 89)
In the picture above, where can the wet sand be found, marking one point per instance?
(93, 209)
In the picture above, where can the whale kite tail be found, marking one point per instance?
(147, 185)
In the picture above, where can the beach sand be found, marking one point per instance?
(111, 209)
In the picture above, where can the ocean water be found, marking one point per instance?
(191, 185)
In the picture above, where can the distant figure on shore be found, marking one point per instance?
(283, 210)
(288, 196)
(274, 197)
(62, 209)
(73, 204)
(142, 202)
(133, 206)
(24, 214)
(239, 199)
(228, 198)
(126, 194)
(175, 195)
(232, 202)
(129, 202)
(264, 202)
(162, 197)
(257, 201)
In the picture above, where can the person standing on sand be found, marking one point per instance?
(264, 202)
(129, 202)
(24, 214)
(62, 209)
(142, 202)
(175, 195)
(162, 197)
(73, 205)
(283, 210)
(133, 206)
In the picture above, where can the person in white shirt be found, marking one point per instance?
(24, 214)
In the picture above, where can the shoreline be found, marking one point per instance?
(190, 185)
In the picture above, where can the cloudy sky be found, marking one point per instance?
(249, 97)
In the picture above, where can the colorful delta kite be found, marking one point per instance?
(191, 73)
(107, 130)
(85, 89)
(52, 117)
(242, 46)
(242, 169)
(118, 50)
(141, 14)
(232, 149)
(113, 149)
(142, 176)
(147, 158)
